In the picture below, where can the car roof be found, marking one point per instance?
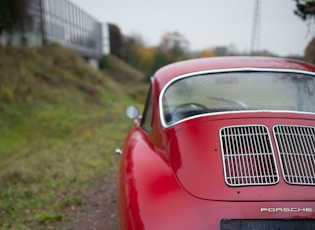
(169, 72)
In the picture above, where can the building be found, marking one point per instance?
(62, 22)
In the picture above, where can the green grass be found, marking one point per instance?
(60, 122)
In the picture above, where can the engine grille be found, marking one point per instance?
(296, 148)
(248, 156)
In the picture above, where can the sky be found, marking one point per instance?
(208, 23)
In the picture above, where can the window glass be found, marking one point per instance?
(233, 91)
(146, 121)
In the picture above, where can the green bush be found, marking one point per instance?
(6, 94)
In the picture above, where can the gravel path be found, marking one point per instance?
(100, 212)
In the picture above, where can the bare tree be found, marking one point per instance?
(15, 16)
(116, 40)
(305, 8)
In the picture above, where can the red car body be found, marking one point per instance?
(244, 168)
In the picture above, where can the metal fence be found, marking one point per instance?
(65, 23)
(62, 22)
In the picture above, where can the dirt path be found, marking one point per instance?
(100, 212)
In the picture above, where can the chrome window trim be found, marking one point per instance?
(180, 77)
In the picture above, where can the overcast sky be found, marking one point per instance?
(208, 23)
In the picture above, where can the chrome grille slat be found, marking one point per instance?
(248, 156)
(296, 149)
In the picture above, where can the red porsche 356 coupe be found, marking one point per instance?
(223, 143)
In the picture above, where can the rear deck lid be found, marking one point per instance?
(252, 158)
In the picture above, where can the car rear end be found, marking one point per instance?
(242, 142)
(250, 170)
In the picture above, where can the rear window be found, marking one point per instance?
(234, 91)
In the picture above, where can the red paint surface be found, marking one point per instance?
(174, 179)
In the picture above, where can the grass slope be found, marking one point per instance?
(60, 121)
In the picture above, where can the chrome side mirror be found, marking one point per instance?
(118, 151)
(132, 112)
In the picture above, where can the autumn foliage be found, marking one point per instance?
(173, 47)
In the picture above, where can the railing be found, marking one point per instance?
(62, 22)
(70, 26)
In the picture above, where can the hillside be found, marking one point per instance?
(60, 121)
